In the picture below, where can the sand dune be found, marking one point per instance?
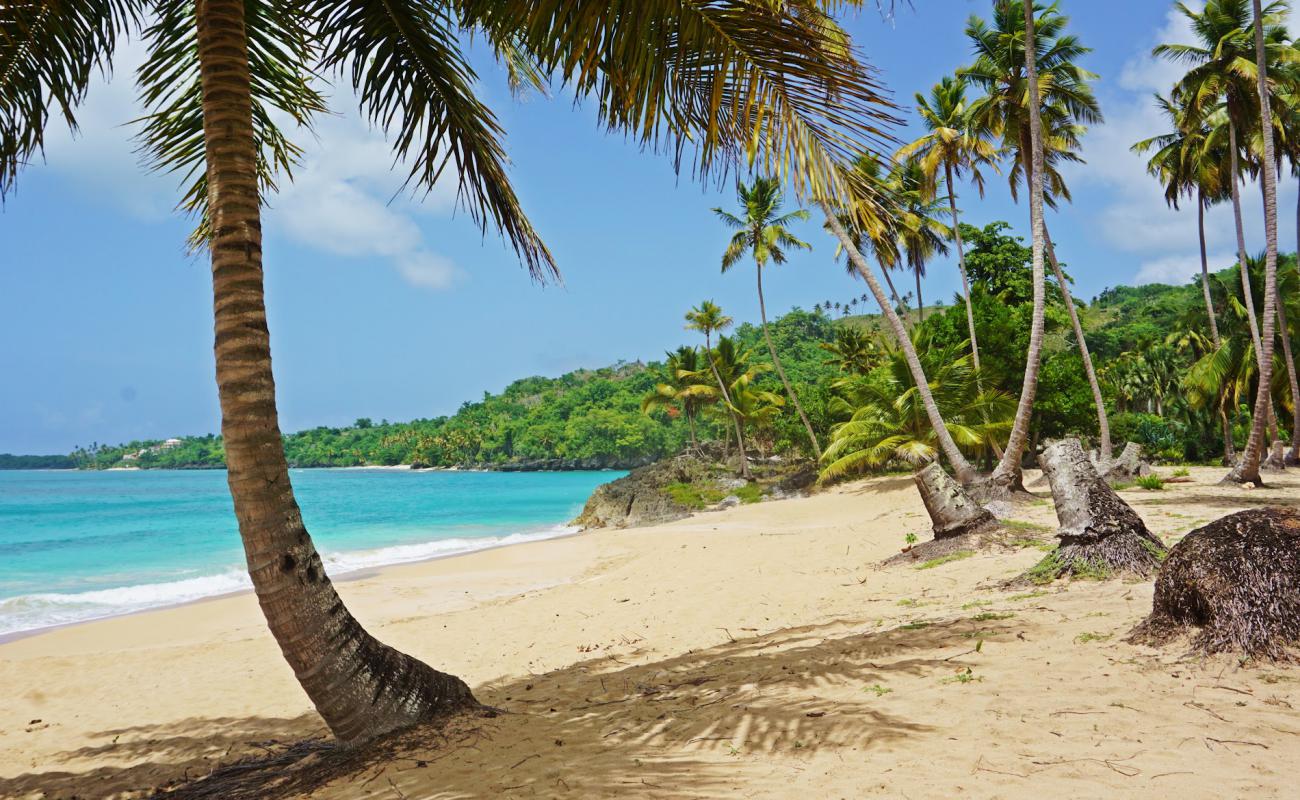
(757, 652)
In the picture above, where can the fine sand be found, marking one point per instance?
(759, 652)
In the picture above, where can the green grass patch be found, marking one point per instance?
(914, 626)
(909, 602)
(1151, 482)
(1182, 472)
(989, 616)
(695, 496)
(1084, 638)
(1046, 570)
(948, 559)
(976, 604)
(749, 493)
(1028, 595)
(965, 676)
(1121, 485)
(1019, 525)
(877, 690)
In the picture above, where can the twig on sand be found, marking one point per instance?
(1211, 712)
(522, 760)
(979, 767)
(1226, 742)
(1113, 764)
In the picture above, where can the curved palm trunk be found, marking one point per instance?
(1248, 470)
(690, 422)
(1007, 472)
(962, 468)
(361, 687)
(780, 370)
(1103, 424)
(731, 408)
(1284, 331)
(898, 301)
(961, 267)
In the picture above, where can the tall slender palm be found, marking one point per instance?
(762, 233)
(1026, 39)
(707, 318)
(1228, 67)
(1188, 163)
(221, 72)
(921, 236)
(955, 144)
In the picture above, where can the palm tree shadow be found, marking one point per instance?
(598, 728)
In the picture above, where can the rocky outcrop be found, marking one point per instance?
(641, 497)
(692, 481)
(571, 464)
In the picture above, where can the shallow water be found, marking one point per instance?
(83, 545)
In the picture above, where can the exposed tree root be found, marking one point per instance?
(1235, 585)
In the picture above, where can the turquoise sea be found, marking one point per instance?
(83, 545)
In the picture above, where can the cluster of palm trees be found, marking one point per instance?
(717, 380)
(1222, 133)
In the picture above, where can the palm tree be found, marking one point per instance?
(680, 365)
(1231, 57)
(1024, 39)
(955, 144)
(870, 218)
(762, 233)
(852, 352)
(735, 374)
(886, 418)
(1184, 162)
(921, 235)
(221, 72)
(706, 318)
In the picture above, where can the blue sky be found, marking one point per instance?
(386, 308)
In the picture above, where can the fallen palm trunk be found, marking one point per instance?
(1128, 467)
(1234, 584)
(1100, 534)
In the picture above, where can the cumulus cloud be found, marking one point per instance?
(346, 198)
(1134, 217)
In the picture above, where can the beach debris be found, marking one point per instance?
(1234, 584)
(1100, 535)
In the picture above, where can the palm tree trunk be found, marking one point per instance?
(920, 301)
(690, 422)
(780, 370)
(1248, 470)
(1007, 473)
(1229, 447)
(1285, 335)
(1103, 424)
(731, 408)
(961, 267)
(1205, 270)
(962, 468)
(898, 302)
(361, 687)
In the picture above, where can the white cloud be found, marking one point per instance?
(345, 199)
(1134, 217)
(1176, 270)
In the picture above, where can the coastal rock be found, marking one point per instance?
(641, 497)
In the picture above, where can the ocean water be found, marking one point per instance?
(76, 546)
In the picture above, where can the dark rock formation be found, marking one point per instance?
(1100, 534)
(1234, 584)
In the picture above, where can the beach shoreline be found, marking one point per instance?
(760, 647)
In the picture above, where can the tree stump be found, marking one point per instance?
(1100, 534)
(1235, 584)
(1127, 467)
(1275, 461)
(952, 511)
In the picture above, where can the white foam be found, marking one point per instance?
(33, 612)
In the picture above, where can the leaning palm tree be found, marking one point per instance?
(708, 318)
(957, 145)
(220, 73)
(762, 233)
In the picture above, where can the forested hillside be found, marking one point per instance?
(1143, 339)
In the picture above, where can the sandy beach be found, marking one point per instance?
(758, 652)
